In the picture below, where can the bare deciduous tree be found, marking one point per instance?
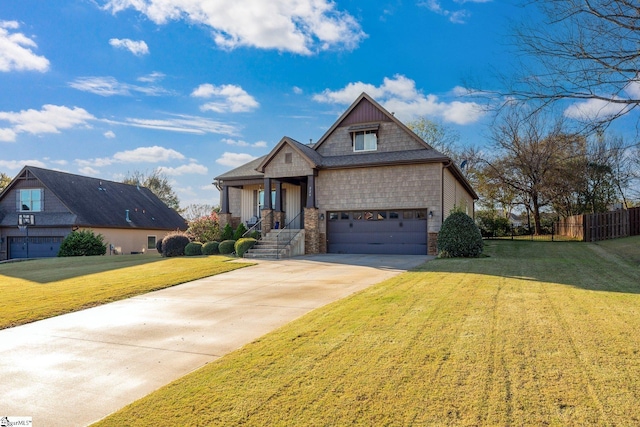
(585, 50)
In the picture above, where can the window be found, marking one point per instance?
(288, 158)
(30, 200)
(151, 242)
(365, 141)
(261, 200)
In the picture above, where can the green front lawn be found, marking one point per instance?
(535, 334)
(33, 290)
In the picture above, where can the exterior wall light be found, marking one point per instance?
(430, 214)
(321, 217)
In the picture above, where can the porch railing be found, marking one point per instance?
(287, 237)
(258, 226)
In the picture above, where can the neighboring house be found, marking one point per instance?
(369, 185)
(47, 205)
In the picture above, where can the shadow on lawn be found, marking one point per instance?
(582, 265)
(49, 270)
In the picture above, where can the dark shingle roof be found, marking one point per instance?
(380, 158)
(246, 171)
(101, 203)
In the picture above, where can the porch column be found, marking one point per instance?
(311, 191)
(224, 217)
(278, 185)
(224, 202)
(278, 214)
(267, 194)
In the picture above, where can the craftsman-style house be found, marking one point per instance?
(368, 185)
(40, 207)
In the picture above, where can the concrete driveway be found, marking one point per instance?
(75, 369)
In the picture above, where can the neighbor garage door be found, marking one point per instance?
(377, 232)
(37, 247)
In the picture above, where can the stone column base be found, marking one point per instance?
(267, 221)
(224, 219)
(279, 217)
(432, 245)
(311, 231)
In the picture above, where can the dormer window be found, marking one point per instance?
(365, 137)
(365, 141)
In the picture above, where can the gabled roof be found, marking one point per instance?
(246, 171)
(373, 113)
(387, 115)
(94, 202)
(309, 154)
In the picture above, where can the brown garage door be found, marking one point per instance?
(377, 232)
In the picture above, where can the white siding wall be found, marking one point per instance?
(291, 202)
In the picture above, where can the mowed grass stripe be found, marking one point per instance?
(535, 334)
(34, 290)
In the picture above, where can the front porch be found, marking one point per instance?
(290, 207)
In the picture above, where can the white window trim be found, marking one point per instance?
(365, 132)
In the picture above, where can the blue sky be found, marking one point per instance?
(197, 87)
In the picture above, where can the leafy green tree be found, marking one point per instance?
(82, 243)
(4, 181)
(159, 185)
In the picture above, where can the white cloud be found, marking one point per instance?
(15, 50)
(230, 98)
(109, 134)
(19, 164)
(151, 78)
(400, 96)
(89, 171)
(109, 86)
(297, 90)
(97, 162)
(460, 16)
(299, 26)
(153, 154)
(234, 159)
(594, 109)
(191, 168)
(240, 143)
(180, 123)
(51, 119)
(7, 135)
(138, 48)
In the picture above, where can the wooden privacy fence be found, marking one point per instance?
(601, 226)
